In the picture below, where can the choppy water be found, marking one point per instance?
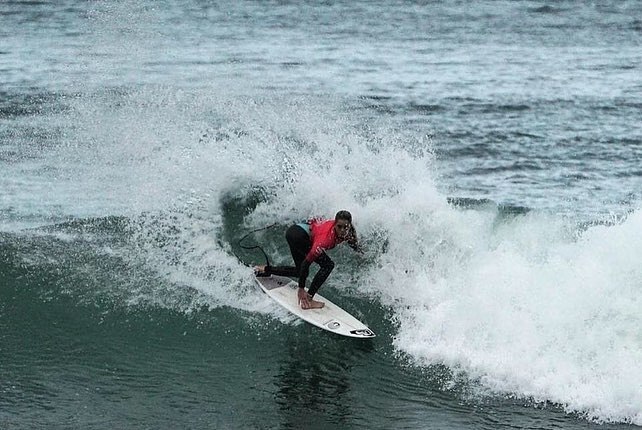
(488, 151)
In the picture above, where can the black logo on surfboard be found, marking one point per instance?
(362, 332)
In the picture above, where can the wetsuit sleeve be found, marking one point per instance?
(315, 251)
(309, 258)
(303, 274)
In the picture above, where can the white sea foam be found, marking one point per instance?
(526, 308)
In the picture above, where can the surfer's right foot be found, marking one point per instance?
(315, 304)
(312, 304)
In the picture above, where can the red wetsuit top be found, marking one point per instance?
(322, 236)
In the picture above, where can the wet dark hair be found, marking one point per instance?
(344, 215)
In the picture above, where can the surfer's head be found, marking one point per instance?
(342, 223)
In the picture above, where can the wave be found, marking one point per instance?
(160, 184)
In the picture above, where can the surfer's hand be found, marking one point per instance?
(356, 247)
(303, 298)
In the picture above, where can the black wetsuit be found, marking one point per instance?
(300, 244)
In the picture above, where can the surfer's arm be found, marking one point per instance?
(301, 293)
(303, 273)
(353, 242)
(356, 246)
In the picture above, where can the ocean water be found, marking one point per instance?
(489, 152)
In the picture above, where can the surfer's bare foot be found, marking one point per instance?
(303, 298)
(306, 301)
(259, 270)
(315, 304)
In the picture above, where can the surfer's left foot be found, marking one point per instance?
(260, 271)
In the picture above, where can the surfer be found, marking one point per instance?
(308, 242)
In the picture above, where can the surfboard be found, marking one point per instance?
(330, 317)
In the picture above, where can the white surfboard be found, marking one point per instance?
(330, 317)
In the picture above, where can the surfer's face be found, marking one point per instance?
(342, 227)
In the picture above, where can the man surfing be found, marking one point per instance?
(308, 242)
